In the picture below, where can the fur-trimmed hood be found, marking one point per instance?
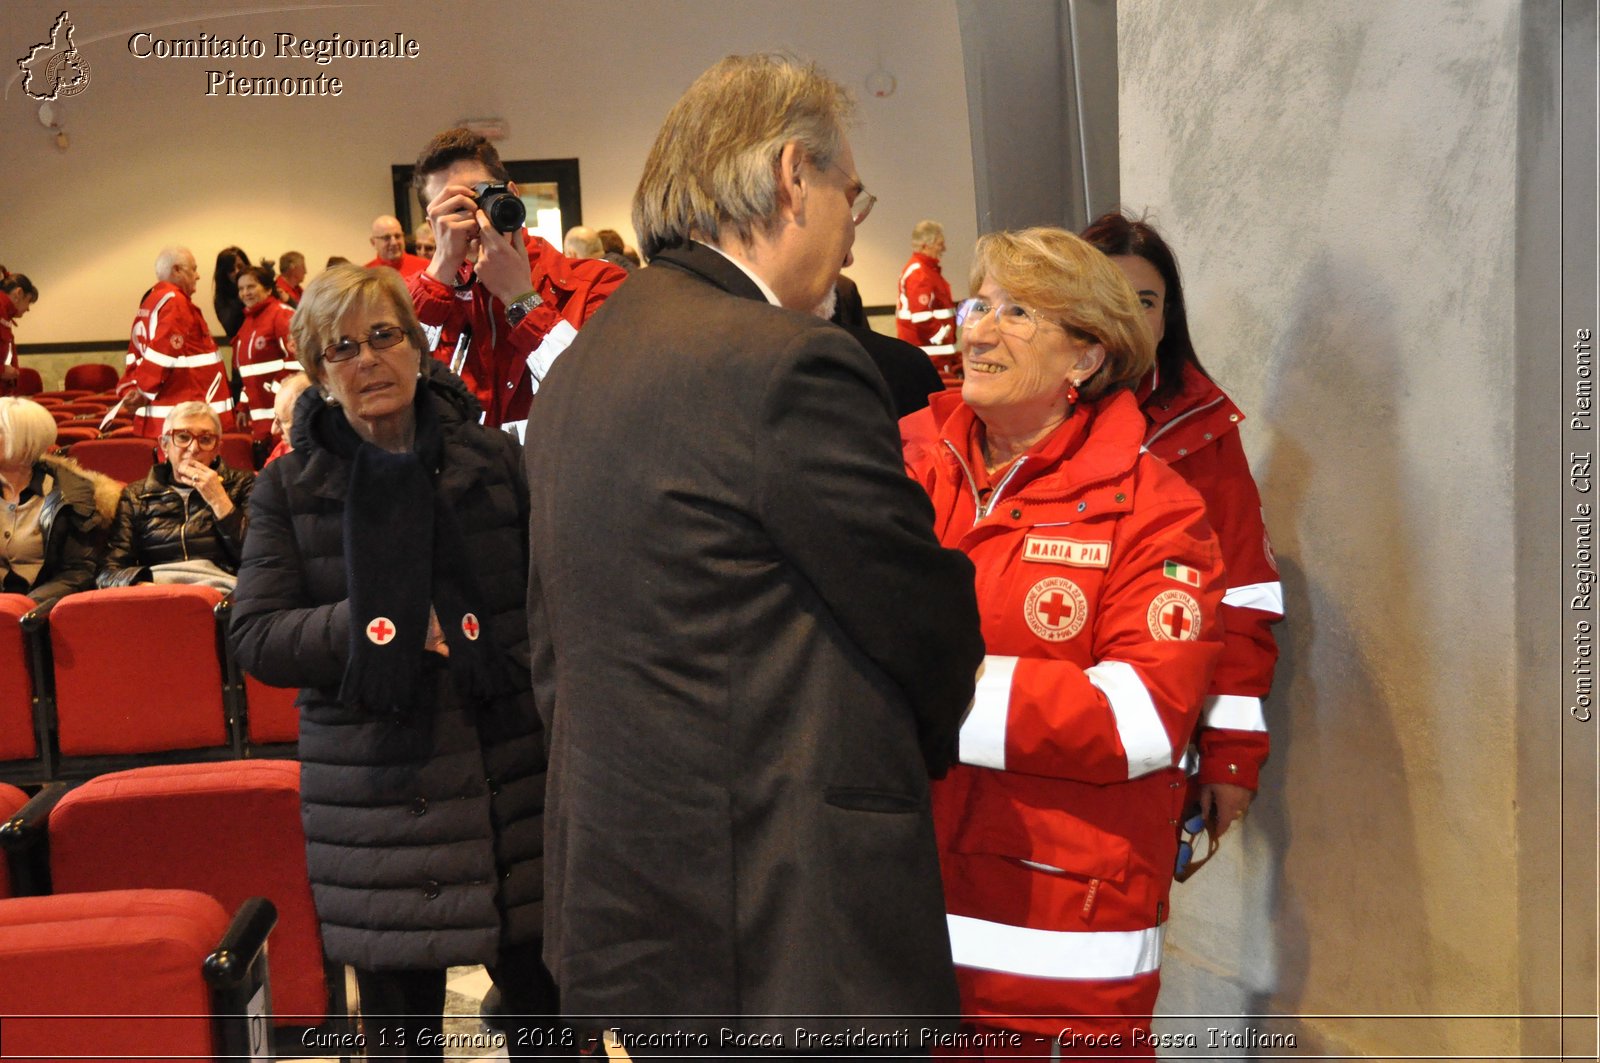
(84, 489)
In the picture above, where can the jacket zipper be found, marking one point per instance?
(981, 511)
(1182, 417)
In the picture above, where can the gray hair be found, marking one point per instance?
(714, 162)
(168, 260)
(926, 232)
(27, 429)
(581, 242)
(193, 408)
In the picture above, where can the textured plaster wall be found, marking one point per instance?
(1339, 181)
(152, 159)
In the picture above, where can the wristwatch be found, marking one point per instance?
(519, 309)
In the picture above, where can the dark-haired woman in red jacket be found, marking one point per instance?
(1194, 427)
(263, 352)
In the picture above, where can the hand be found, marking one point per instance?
(1223, 804)
(434, 641)
(502, 261)
(454, 214)
(207, 483)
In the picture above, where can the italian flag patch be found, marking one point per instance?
(1181, 573)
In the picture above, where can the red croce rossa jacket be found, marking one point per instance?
(172, 359)
(503, 365)
(1197, 433)
(1099, 582)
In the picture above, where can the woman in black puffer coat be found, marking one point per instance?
(385, 573)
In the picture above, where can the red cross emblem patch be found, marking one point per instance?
(381, 631)
(1055, 609)
(469, 627)
(1174, 616)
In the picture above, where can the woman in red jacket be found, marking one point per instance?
(263, 352)
(1192, 426)
(1099, 582)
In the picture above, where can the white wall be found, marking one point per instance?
(1339, 182)
(153, 160)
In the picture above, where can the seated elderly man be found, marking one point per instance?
(185, 521)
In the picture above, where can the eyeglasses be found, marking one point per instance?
(861, 204)
(203, 440)
(379, 339)
(1013, 319)
(1187, 865)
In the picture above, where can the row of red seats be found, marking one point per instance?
(229, 834)
(91, 376)
(125, 676)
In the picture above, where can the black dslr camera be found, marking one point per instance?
(504, 210)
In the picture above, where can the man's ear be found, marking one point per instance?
(791, 180)
(511, 186)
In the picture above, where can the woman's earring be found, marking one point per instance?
(1072, 393)
(328, 399)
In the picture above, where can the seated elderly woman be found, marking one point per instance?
(185, 521)
(53, 515)
(1099, 582)
(386, 575)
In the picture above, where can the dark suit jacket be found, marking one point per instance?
(746, 635)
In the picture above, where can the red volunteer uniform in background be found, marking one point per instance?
(409, 265)
(926, 313)
(1099, 582)
(173, 359)
(503, 365)
(288, 294)
(1197, 433)
(262, 356)
(8, 343)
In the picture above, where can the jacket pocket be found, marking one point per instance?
(1036, 821)
(861, 799)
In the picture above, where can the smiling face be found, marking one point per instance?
(1150, 287)
(250, 290)
(375, 387)
(388, 239)
(1021, 380)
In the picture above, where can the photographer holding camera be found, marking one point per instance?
(501, 303)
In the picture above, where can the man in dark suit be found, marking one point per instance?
(749, 648)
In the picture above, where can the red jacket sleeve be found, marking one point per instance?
(1233, 737)
(434, 301)
(1133, 710)
(164, 334)
(551, 326)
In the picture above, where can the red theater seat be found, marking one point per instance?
(29, 382)
(68, 435)
(19, 739)
(137, 671)
(230, 829)
(270, 712)
(11, 799)
(236, 450)
(92, 376)
(125, 974)
(124, 458)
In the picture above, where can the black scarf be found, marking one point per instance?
(404, 552)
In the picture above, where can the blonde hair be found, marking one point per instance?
(332, 294)
(28, 431)
(926, 232)
(1062, 277)
(714, 162)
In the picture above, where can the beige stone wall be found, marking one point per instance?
(1340, 184)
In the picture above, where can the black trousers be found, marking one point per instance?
(403, 1010)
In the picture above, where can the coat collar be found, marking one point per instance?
(1194, 418)
(704, 263)
(1105, 456)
